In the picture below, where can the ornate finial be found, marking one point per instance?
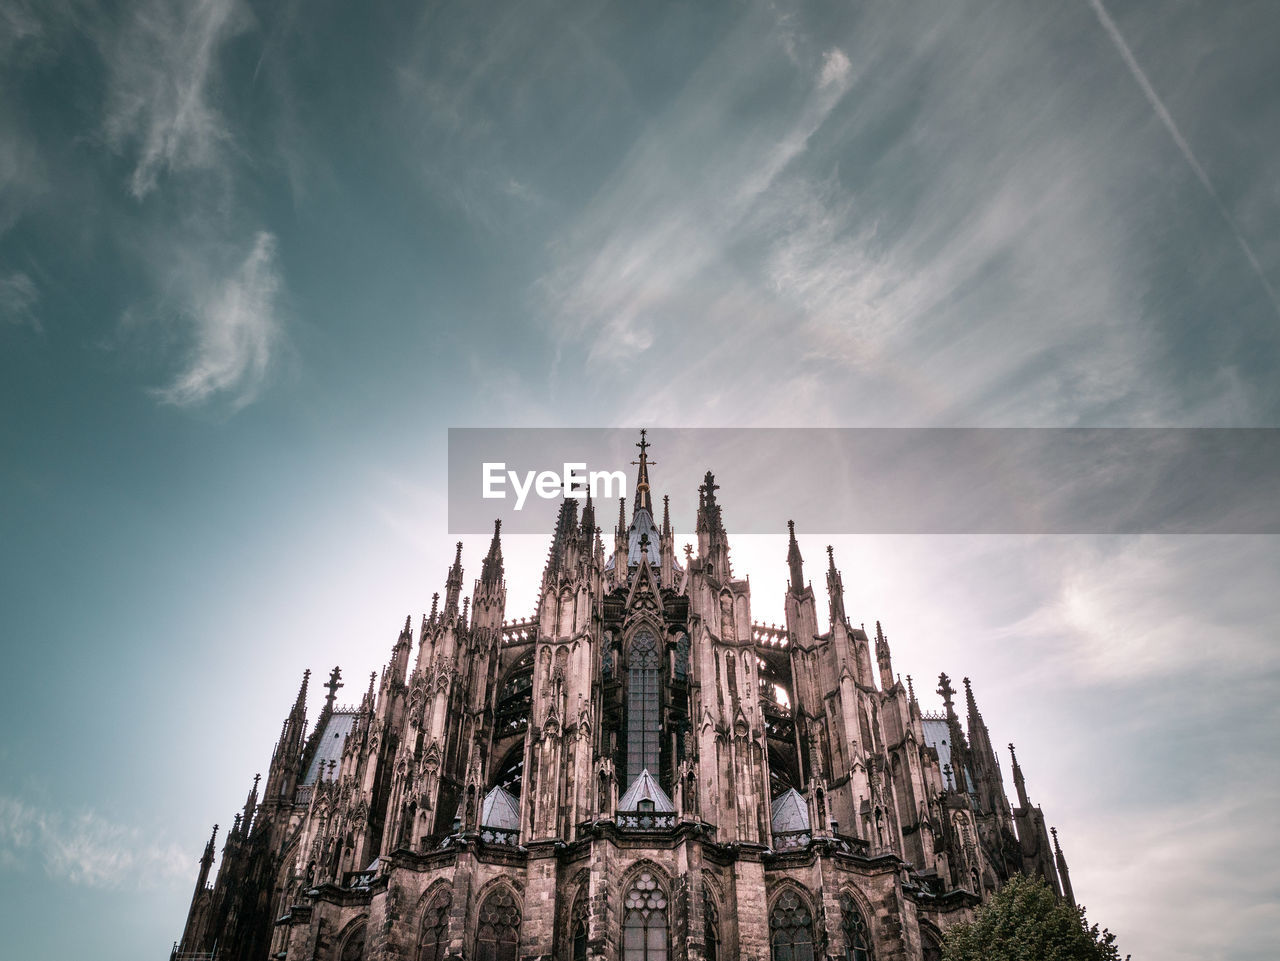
(709, 488)
(795, 563)
(831, 558)
(947, 692)
(256, 779)
(911, 691)
(435, 605)
(644, 545)
(466, 605)
(666, 515)
(688, 554)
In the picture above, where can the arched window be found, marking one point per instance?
(498, 928)
(644, 921)
(643, 724)
(857, 944)
(711, 936)
(578, 926)
(932, 947)
(791, 928)
(433, 941)
(353, 947)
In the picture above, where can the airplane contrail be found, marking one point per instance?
(1188, 154)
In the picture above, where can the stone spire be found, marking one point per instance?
(835, 589)
(1018, 782)
(1064, 876)
(491, 571)
(959, 748)
(453, 585)
(713, 541)
(794, 561)
(883, 658)
(563, 541)
(643, 500)
(588, 522)
(283, 773)
(986, 769)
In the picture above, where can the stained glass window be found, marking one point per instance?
(644, 922)
(434, 939)
(643, 723)
(711, 920)
(578, 928)
(856, 942)
(791, 929)
(498, 931)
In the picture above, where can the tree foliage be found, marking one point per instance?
(1026, 921)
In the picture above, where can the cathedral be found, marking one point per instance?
(637, 772)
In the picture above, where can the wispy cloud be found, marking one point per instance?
(641, 253)
(86, 849)
(1148, 609)
(162, 74)
(236, 328)
(1166, 118)
(18, 298)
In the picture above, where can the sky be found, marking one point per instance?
(257, 258)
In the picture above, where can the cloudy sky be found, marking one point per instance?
(256, 258)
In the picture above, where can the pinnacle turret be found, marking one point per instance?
(453, 585)
(1064, 876)
(713, 541)
(794, 561)
(835, 590)
(491, 570)
(1018, 782)
(883, 658)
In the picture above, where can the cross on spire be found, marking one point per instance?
(332, 687)
(642, 476)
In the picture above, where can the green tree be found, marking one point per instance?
(1026, 921)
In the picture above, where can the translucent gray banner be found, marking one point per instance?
(881, 481)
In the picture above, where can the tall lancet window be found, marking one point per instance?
(791, 929)
(855, 931)
(644, 922)
(643, 724)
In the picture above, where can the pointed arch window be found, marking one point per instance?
(932, 947)
(578, 928)
(791, 929)
(644, 921)
(353, 947)
(433, 941)
(643, 706)
(857, 943)
(498, 930)
(711, 935)
(515, 699)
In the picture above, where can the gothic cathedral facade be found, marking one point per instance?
(639, 772)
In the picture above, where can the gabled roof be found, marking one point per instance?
(501, 809)
(789, 812)
(645, 788)
(329, 745)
